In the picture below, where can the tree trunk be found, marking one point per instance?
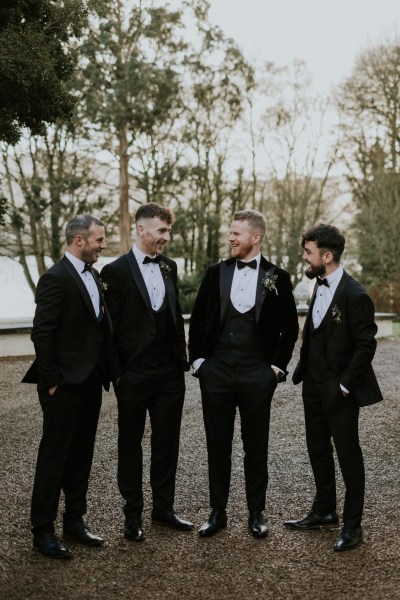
(124, 216)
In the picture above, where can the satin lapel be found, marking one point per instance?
(336, 296)
(81, 286)
(171, 296)
(260, 292)
(139, 281)
(227, 269)
(103, 305)
(310, 309)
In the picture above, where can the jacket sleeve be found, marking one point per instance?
(288, 322)
(198, 320)
(112, 297)
(180, 324)
(49, 306)
(360, 315)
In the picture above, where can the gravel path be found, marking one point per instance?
(232, 565)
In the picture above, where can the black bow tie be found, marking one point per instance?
(241, 265)
(87, 267)
(156, 259)
(322, 281)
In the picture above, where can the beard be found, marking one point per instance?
(313, 272)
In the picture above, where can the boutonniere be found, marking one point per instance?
(336, 314)
(269, 283)
(165, 269)
(102, 285)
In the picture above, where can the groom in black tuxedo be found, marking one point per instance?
(242, 332)
(70, 332)
(148, 365)
(335, 368)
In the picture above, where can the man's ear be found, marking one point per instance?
(257, 238)
(79, 240)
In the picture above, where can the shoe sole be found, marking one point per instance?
(54, 556)
(331, 527)
(347, 547)
(161, 524)
(132, 538)
(78, 541)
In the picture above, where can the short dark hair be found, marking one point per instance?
(255, 219)
(327, 237)
(80, 225)
(152, 210)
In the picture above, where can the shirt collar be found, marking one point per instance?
(139, 255)
(335, 276)
(77, 262)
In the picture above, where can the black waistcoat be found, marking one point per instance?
(160, 351)
(238, 342)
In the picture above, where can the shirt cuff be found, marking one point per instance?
(344, 389)
(197, 364)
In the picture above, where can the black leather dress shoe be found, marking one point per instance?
(78, 532)
(171, 519)
(315, 521)
(348, 539)
(47, 543)
(133, 530)
(257, 525)
(216, 521)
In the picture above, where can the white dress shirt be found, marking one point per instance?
(152, 277)
(244, 287)
(88, 279)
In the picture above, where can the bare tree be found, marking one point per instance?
(369, 102)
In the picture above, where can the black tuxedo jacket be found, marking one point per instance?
(70, 341)
(276, 315)
(131, 313)
(349, 344)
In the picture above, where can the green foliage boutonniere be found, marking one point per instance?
(165, 269)
(336, 314)
(268, 282)
(102, 285)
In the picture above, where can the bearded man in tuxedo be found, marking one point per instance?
(71, 330)
(335, 368)
(148, 364)
(242, 332)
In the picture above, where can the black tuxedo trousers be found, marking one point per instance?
(224, 389)
(65, 454)
(331, 416)
(160, 391)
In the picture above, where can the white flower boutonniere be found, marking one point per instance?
(269, 283)
(102, 285)
(336, 314)
(165, 269)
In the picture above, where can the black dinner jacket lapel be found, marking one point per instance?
(139, 281)
(336, 296)
(170, 295)
(266, 268)
(226, 272)
(81, 286)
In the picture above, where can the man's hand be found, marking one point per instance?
(278, 374)
(52, 390)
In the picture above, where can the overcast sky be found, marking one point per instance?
(326, 34)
